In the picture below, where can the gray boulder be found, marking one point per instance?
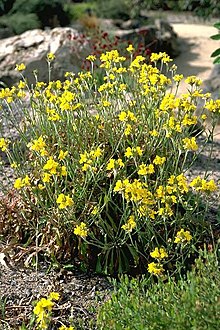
(32, 47)
(158, 36)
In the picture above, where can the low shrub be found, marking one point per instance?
(191, 303)
(103, 165)
(78, 10)
(19, 23)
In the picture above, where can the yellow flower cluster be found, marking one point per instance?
(130, 224)
(43, 309)
(190, 144)
(81, 230)
(159, 253)
(3, 144)
(20, 67)
(113, 163)
(183, 236)
(146, 169)
(111, 57)
(38, 145)
(64, 201)
(131, 152)
(88, 159)
(125, 116)
(202, 185)
(160, 56)
(20, 183)
(155, 268)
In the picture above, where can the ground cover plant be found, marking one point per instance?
(190, 303)
(101, 168)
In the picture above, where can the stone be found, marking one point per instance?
(32, 47)
(159, 37)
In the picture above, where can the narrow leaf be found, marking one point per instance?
(216, 53)
(215, 37)
(217, 25)
(217, 60)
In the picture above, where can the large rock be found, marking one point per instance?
(32, 47)
(158, 37)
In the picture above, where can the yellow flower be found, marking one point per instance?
(128, 152)
(97, 153)
(122, 116)
(139, 151)
(46, 177)
(118, 186)
(95, 210)
(160, 56)
(111, 164)
(81, 230)
(21, 84)
(106, 103)
(130, 225)
(26, 181)
(37, 144)
(120, 162)
(14, 165)
(85, 167)
(50, 56)
(203, 185)
(155, 269)
(20, 67)
(143, 169)
(3, 144)
(183, 236)
(41, 186)
(159, 160)
(128, 130)
(83, 158)
(190, 144)
(63, 171)
(91, 58)
(178, 77)
(159, 253)
(42, 305)
(51, 166)
(54, 296)
(64, 201)
(63, 327)
(62, 155)
(191, 80)
(18, 184)
(130, 48)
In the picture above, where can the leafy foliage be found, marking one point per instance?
(19, 23)
(192, 302)
(216, 53)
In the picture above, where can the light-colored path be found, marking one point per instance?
(196, 48)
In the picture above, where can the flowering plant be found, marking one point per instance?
(105, 166)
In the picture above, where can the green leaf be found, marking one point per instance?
(217, 60)
(216, 53)
(217, 25)
(215, 37)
